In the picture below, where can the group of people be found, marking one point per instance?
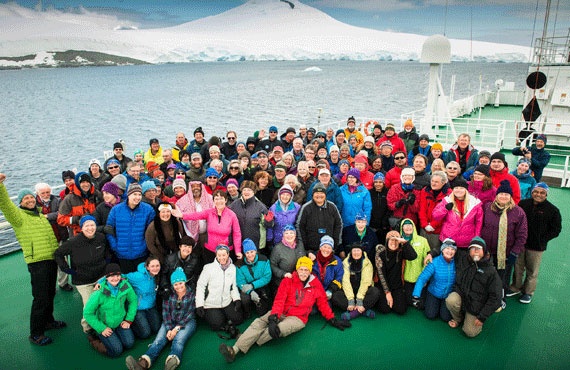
(281, 227)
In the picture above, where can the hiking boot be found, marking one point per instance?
(227, 352)
(526, 298)
(98, 346)
(66, 288)
(511, 293)
(370, 313)
(133, 364)
(40, 340)
(171, 363)
(57, 324)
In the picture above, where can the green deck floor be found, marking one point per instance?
(534, 336)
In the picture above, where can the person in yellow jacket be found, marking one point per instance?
(38, 242)
(154, 153)
(413, 268)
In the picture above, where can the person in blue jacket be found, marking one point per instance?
(536, 154)
(355, 198)
(332, 189)
(440, 277)
(328, 268)
(145, 283)
(252, 279)
(129, 221)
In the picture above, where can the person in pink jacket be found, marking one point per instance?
(222, 224)
(461, 215)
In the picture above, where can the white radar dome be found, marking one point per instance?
(436, 50)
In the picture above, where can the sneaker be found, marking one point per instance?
(57, 324)
(227, 352)
(40, 340)
(526, 298)
(171, 363)
(370, 313)
(66, 288)
(133, 364)
(511, 293)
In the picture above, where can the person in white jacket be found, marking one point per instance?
(217, 296)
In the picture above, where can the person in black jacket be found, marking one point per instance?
(478, 289)
(544, 224)
(380, 211)
(185, 258)
(89, 253)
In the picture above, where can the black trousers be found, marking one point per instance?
(130, 265)
(43, 276)
(399, 306)
(217, 318)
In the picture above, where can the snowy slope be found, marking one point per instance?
(256, 30)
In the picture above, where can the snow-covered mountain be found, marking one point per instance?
(257, 30)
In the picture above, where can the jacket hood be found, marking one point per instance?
(414, 232)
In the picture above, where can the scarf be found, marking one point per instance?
(460, 204)
(225, 267)
(323, 262)
(502, 240)
(289, 245)
(352, 188)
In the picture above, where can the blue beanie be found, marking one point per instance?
(339, 131)
(542, 185)
(212, 172)
(361, 216)
(178, 276)
(223, 247)
(327, 240)
(23, 193)
(289, 227)
(273, 129)
(379, 176)
(148, 185)
(248, 245)
(85, 219)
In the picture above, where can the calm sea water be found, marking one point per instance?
(56, 119)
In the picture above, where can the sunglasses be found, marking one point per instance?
(309, 152)
(231, 138)
(399, 158)
(234, 168)
(312, 167)
(112, 167)
(213, 177)
(452, 168)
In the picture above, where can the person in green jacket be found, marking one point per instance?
(414, 268)
(108, 313)
(38, 242)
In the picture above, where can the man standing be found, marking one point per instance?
(477, 291)
(180, 145)
(351, 130)
(154, 153)
(38, 242)
(119, 156)
(167, 159)
(500, 171)
(464, 153)
(318, 218)
(196, 145)
(332, 189)
(269, 144)
(294, 301)
(544, 224)
(82, 200)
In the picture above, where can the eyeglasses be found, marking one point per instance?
(272, 132)
(213, 177)
(309, 152)
(112, 167)
(452, 168)
(234, 168)
(312, 167)
(397, 158)
(118, 149)
(261, 156)
(231, 138)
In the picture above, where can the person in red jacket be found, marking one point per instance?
(390, 135)
(293, 303)
(393, 176)
(500, 171)
(82, 200)
(430, 196)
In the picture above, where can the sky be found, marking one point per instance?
(501, 21)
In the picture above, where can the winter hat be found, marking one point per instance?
(248, 184)
(478, 242)
(289, 227)
(222, 247)
(133, 188)
(117, 145)
(483, 153)
(157, 181)
(386, 143)
(211, 172)
(459, 181)
(81, 177)
(148, 185)
(232, 182)
(321, 134)
(172, 166)
(407, 171)
(71, 175)
(22, 193)
(338, 132)
(214, 148)
(153, 141)
(424, 137)
(289, 130)
(273, 129)
(541, 137)
(351, 119)
(326, 240)
(86, 218)
(94, 161)
(448, 243)
(325, 171)
(360, 216)
(408, 123)
(138, 151)
(523, 160)
(195, 155)
(120, 181)
(361, 157)
(178, 183)
(248, 245)
(390, 126)
(304, 262)
(501, 156)
(111, 188)
(312, 130)
(281, 165)
(319, 188)
(343, 161)
(157, 173)
(541, 185)
(334, 148)
(483, 168)
(112, 269)
(379, 176)
(278, 149)
(198, 130)
(505, 187)
(369, 139)
(285, 189)
(437, 146)
(354, 172)
(178, 276)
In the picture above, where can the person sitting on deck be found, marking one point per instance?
(253, 279)
(290, 312)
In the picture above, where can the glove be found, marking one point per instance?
(70, 271)
(449, 206)
(274, 330)
(269, 216)
(108, 229)
(429, 228)
(52, 216)
(512, 258)
(74, 220)
(340, 324)
(400, 203)
(254, 296)
(200, 311)
(237, 305)
(246, 288)
(411, 198)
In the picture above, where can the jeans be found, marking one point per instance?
(177, 343)
(146, 322)
(43, 277)
(435, 307)
(120, 340)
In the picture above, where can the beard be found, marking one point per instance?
(476, 259)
